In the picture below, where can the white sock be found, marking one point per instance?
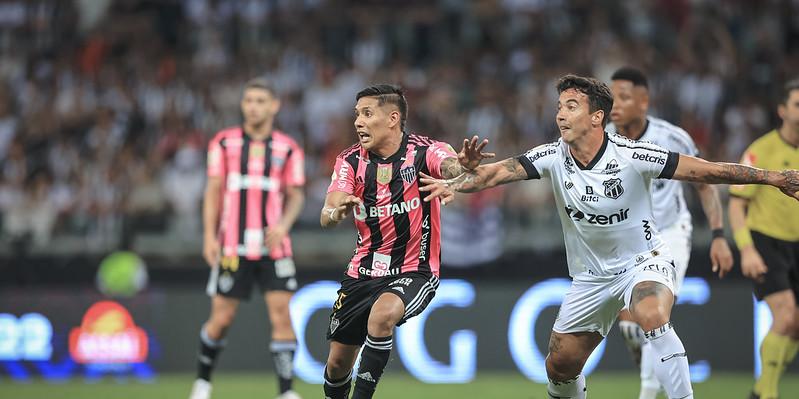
(670, 362)
(632, 334)
(571, 389)
(649, 382)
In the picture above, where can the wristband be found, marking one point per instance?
(717, 233)
(743, 238)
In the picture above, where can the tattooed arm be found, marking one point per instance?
(698, 170)
(483, 177)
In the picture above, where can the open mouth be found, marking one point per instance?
(364, 137)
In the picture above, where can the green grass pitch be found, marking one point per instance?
(393, 386)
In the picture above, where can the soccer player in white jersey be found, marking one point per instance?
(616, 256)
(629, 118)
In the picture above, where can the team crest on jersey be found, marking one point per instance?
(408, 174)
(613, 188)
(384, 174)
(257, 151)
(333, 324)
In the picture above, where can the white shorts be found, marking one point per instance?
(678, 239)
(593, 302)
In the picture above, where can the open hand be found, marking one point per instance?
(437, 188)
(472, 153)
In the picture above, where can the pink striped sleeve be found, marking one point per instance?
(294, 172)
(437, 152)
(343, 179)
(216, 159)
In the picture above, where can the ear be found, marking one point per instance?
(394, 118)
(597, 117)
(781, 111)
(275, 105)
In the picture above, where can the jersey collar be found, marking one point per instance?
(596, 158)
(395, 156)
(645, 131)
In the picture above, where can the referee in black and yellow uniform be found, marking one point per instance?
(765, 223)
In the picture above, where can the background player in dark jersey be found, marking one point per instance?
(609, 269)
(766, 228)
(394, 272)
(253, 196)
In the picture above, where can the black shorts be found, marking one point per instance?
(350, 314)
(782, 260)
(234, 276)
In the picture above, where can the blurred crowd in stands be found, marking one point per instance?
(106, 106)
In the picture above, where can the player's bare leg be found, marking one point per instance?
(338, 370)
(386, 312)
(780, 345)
(567, 356)
(212, 341)
(284, 342)
(650, 307)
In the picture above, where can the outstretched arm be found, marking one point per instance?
(481, 178)
(698, 170)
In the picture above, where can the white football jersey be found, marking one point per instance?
(605, 207)
(668, 197)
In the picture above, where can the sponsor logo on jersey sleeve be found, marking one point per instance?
(649, 158)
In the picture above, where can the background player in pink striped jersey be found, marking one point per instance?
(254, 195)
(394, 272)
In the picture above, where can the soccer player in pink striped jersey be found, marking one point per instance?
(253, 196)
(394, 272)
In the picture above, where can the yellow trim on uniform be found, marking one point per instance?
(743, 237)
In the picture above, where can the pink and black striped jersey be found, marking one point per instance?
(397, 231)
(255, 174)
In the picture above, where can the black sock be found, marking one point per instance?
(337, 389)
(283, 356)
(373, 360)
(206, 359)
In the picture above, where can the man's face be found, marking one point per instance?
(630, 102)
(373, 123)
(574, 118)
(258, 106)
(789, 112)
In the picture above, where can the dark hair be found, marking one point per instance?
(260, 83)
(386, 93)
(599, 95)
(790, 86)
(631, 74)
